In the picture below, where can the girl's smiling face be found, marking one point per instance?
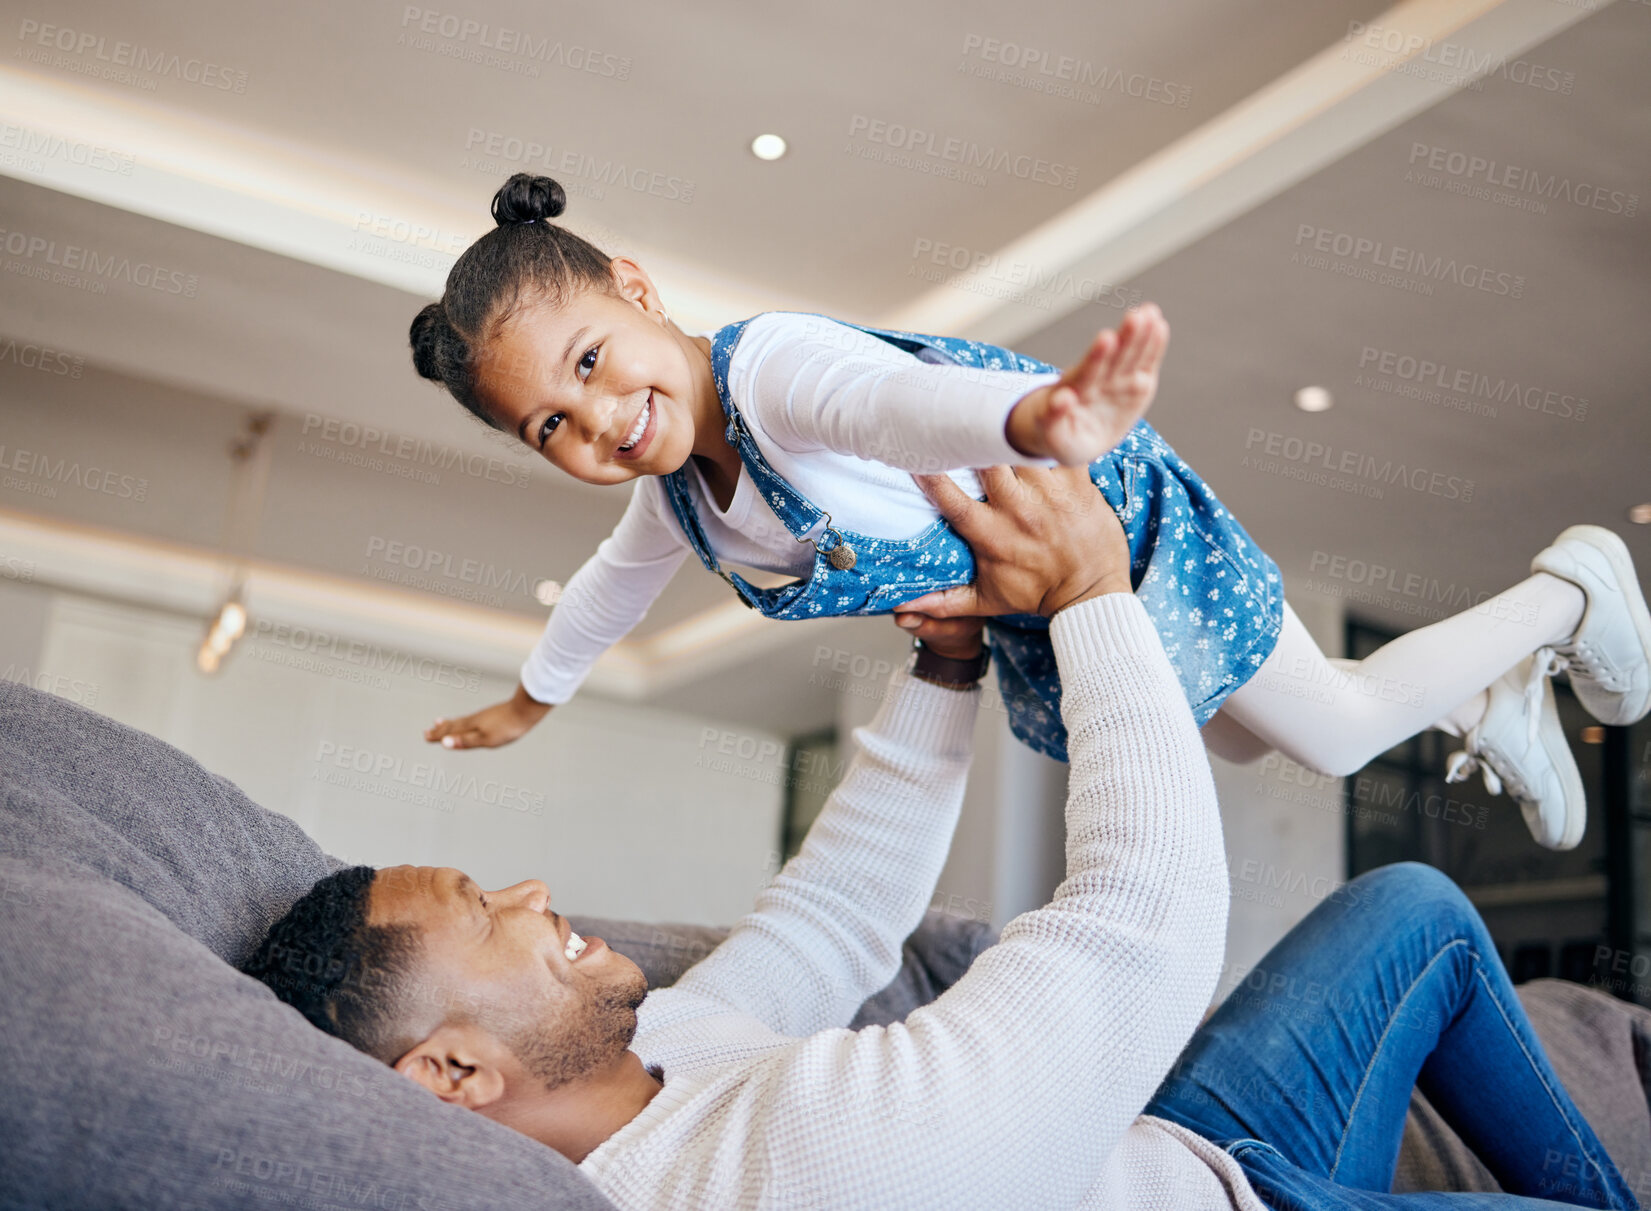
(603, 387)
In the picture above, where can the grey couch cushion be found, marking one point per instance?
(110, 801)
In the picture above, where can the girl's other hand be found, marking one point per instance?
(491, 726)
(1097, 402)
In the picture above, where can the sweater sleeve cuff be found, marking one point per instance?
(542, 689)
(1102, 629)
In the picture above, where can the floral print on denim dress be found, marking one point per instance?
(1214, 597)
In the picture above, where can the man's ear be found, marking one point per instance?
(458, 1065)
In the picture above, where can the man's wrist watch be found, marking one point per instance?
(926, 664)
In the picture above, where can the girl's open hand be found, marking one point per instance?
(1097, 402)
(491, 726)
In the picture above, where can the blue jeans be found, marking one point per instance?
(1304, 1073)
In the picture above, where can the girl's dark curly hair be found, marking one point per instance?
(526, 258)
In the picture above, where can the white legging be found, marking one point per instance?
(1335, 715)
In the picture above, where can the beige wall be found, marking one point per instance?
(620, 808)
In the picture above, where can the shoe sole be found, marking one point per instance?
(1551, 733)
(1610, 545)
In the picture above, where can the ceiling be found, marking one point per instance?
(1298, 129)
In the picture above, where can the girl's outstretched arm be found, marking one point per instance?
(598, 606)
(812, 383)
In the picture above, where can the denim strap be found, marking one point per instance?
(798, 514)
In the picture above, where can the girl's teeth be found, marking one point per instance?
(641, 425)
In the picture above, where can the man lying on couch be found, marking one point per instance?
(1047, 1076)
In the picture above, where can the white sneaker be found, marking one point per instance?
(1609, 657)
(1520, 747)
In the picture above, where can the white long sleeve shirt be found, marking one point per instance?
(1023, 1084)
(844, 417)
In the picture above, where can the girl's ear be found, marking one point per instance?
(634, 283)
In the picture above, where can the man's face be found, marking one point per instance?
(504, 961)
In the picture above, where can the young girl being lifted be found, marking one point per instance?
(789, 441)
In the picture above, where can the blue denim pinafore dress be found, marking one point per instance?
(1214, 597)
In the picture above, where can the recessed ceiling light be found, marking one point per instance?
(1314, 399)
(768, 147)
(1640, 515)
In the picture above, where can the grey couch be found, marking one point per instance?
(147, 1073)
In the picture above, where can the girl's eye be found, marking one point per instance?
(549, 427)
(590, 354)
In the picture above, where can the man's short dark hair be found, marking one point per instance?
(346, 976)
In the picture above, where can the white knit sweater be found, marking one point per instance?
(1020, 1087)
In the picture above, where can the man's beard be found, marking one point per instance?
(578, 1043)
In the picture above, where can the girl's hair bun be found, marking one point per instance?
(437, 349)
(525, 197)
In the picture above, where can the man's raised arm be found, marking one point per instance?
(1017, 1084)
(826, 933)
